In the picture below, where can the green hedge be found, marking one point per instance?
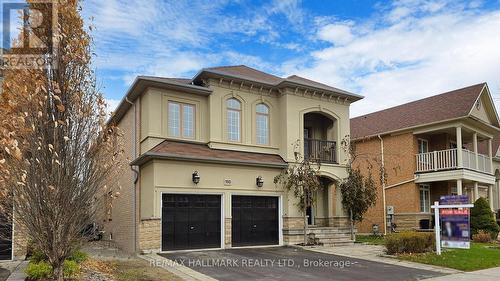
(410, 242)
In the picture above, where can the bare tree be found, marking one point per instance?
(302, 179)
(57, 153)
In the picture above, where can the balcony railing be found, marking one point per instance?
(447, 160)
(320, 150)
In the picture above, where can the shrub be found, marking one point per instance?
(409, 242)
(38, 270)
(78, 256)
(37, 256)
(482, 237)
(482, 218)
(70, 268)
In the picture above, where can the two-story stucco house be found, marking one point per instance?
(203, 154)
(441, 145)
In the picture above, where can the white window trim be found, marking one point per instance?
(422, 140)
(181, 120)
(240, 111)
(268, 116)
(427, 188)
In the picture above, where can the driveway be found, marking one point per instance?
(287, 263)
(4, 274)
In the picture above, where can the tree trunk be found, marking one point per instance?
(305, 221)
(352, 224)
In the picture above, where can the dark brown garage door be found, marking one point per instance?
(5, 240)
(254, 220)
(191, 221)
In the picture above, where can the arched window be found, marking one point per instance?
(233, 119)
(262, 123)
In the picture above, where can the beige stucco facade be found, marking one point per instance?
(139, 227)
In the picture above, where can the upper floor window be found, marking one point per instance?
(233, 119)
(181, 120)
(262, 120)
(423, 146)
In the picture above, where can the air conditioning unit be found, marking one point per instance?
(390, 210)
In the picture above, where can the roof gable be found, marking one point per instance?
(484, 108)
(450, 105)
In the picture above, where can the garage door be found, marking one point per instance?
(191, 221)
(5, 240)
(254, 220)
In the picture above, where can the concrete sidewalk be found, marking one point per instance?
(491, 274)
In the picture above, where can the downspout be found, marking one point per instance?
(383, 182)
(136, 173)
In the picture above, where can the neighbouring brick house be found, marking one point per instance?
(203, 153)
(441, 145)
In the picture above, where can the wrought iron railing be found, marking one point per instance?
(323, 151)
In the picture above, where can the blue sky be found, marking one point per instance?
(389, 51)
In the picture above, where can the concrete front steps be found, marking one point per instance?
(332, 236)
(325, 235)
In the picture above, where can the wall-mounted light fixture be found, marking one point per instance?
(259, 181)
(196, 177)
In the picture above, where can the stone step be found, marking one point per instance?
(334, 239)
(335, 236)
(339, 244)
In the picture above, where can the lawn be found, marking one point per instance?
(128, 270)
(480, 256)
(370, 239)
(140, 270)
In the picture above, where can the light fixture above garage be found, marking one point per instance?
(260, 181)
(196, 177)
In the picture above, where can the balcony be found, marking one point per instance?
(322, 151)
(448, 160)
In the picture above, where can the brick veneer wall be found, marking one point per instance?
(399, 161)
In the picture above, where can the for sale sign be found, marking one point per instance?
(455, 222)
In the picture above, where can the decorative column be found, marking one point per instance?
(331, 205)
(490, 154)
(459, 187)
(476, 191)
(459, 151)
(476, 154)
(490, 196)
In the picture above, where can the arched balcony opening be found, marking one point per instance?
(320, 138)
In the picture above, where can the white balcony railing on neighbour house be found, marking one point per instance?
(447, 160)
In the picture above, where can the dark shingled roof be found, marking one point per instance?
(202, 153)
(450, 105)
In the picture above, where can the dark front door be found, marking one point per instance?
(5, 239)
(255, 220)
(191, 221)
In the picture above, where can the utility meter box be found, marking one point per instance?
(390, 210)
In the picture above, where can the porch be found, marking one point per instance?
(454, 148)
(432, 191)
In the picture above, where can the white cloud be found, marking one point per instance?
(415, 57)
(336, 33)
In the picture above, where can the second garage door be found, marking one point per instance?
(254, 220)
(191, 221)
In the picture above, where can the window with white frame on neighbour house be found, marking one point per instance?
(233, 107)
(262, 123)
(423, 146)
(425, 198)
(181, 120)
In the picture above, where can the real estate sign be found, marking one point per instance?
(455, 222)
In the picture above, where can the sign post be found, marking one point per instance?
(453, 212)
